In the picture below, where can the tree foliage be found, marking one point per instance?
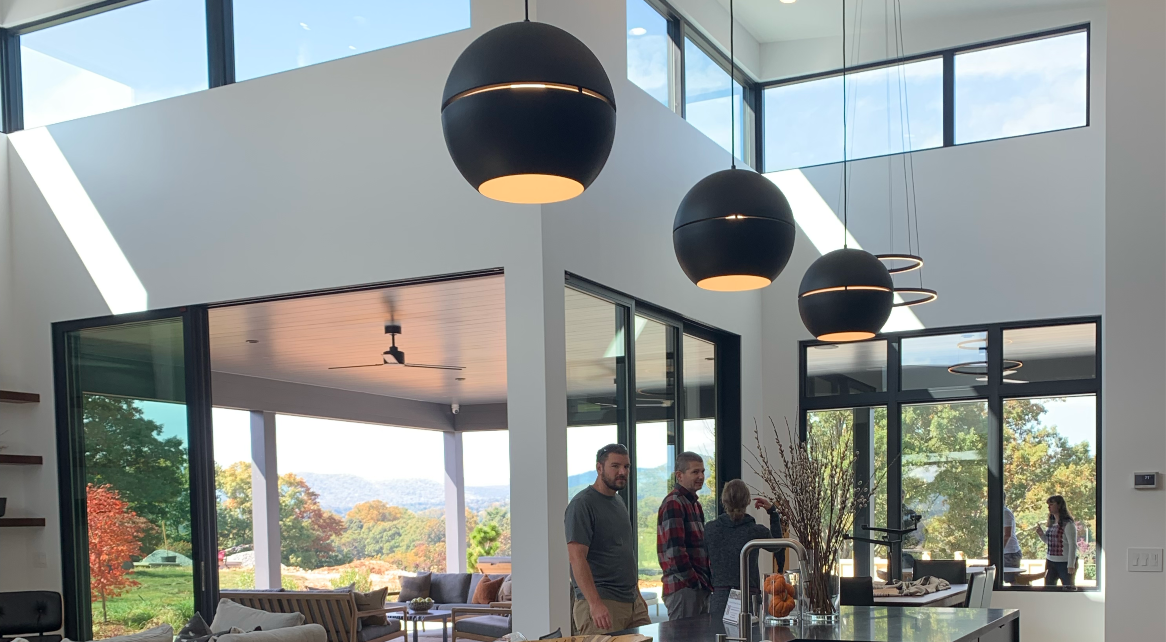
(115, 534)
(126, 451)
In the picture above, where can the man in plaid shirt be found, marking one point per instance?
(680, 542)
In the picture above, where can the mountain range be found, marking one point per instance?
(339, 493)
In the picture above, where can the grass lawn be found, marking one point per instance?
(166, 596)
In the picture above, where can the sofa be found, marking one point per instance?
(452, 590)
(335, 611)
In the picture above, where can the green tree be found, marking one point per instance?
(483, 543)
(126, 451)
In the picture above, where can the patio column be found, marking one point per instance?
(455, 505)
(265, 500)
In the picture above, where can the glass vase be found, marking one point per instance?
(779, 606)
(822, 587)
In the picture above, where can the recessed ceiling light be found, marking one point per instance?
(788, 1)
(827, 346)
(637, 31)
(459, 378)
(252, 340)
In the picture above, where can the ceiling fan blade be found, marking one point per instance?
(424, 365)
(366, 365)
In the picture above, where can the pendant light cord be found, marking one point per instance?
(845, 168)
(732, 80)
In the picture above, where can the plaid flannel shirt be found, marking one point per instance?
(680, 543)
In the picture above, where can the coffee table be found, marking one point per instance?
(418, 617)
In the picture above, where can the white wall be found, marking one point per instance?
(1135, 304)
(299, 181)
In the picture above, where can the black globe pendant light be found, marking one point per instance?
(734, 230)
(847, 294)
(528, 114)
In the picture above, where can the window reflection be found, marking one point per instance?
(846, 368)
(648, 49)
(1051, 353)
(655, 433)
(700, 414)
(945, 361)
(706, 99)
(127, 56)
(1030, 87)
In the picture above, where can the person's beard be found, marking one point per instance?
(616, 483)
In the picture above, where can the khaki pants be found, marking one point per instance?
(624, 615)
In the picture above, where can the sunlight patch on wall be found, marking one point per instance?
(107, 265)
(824, 229)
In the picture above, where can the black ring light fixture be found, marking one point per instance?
(846, 295)
(912, 262)
(981, 367)
(926, 296)
(528, 114)
(734, 230)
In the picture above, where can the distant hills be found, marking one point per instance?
(339, 493)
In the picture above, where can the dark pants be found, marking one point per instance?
(717, 602)
(1055, 571)
(1011, 560)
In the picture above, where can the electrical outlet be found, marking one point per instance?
(1144, 560)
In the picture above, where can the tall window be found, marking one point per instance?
(637, 375)
(890, 110)
(277, 35)
(1025, 88)
(708, 88)
(128, 56)
(981, 425)
(649, 50)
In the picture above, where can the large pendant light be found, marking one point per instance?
(528, 114)
(734, 230)
(846, 295)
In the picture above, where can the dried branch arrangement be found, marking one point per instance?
(817, 495)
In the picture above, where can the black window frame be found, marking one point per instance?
(948, 56)
(727, 345)
(994, 393)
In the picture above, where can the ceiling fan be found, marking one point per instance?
(395, 357)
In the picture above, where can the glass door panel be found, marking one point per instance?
(700, 414)
(131, 476)
(596, 382)
(655, 433)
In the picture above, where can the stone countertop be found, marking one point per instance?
(858, 624)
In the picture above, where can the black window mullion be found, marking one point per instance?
(676, 66)
(894, 478)
(11, 85)
(996, 452)
(679, 394)
(863, 464)
(630, 436)
(203, 503)
(220, 42)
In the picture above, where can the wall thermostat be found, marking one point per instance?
(1145, 480)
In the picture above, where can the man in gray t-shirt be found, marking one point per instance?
(600, 540)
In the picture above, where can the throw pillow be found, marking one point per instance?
(487, 590)
(372, 601)
(450, 588)
(506, 591)
(196, 630)
(305, 633)
(415, 587)
(232, 614)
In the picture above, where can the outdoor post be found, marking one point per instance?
(455, 505)
(265, 500)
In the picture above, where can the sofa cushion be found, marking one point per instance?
(488, 625)
(231, 614)
(371, 601)
(196, 630)
(379, 631)
(305, 633)
(448, 588)
(506, 591)
(415, 587)
(163, 633)
(487, 590)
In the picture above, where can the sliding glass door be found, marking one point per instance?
(131, 405)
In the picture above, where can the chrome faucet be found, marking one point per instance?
(744, 623)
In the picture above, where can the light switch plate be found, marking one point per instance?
(1144, 560)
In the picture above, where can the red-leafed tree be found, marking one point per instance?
(115, 534)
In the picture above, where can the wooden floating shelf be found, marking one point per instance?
(11, 396)
(22, 460)
(22, 522)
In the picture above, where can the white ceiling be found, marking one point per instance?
(447, 323)
(773, 21)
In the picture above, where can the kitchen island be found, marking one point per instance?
(864, 624)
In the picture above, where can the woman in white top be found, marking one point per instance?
(1061, 543)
